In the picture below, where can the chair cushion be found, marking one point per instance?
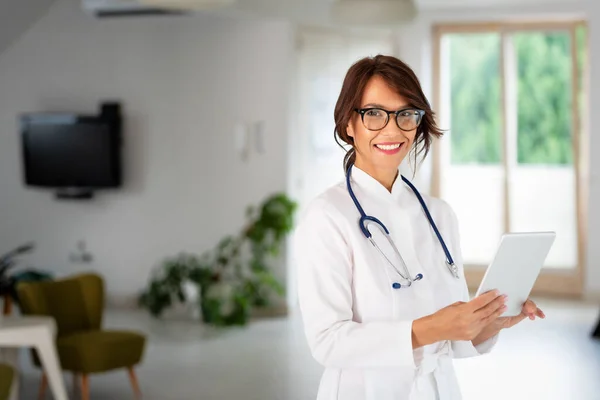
(7, 374)
(99, 351)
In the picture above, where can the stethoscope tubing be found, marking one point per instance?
(364, 219)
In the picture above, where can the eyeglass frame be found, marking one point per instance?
(362, 112)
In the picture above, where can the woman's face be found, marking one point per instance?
(382, 150)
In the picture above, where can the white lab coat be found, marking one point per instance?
(357, 326)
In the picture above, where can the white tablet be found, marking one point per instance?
(516, 266)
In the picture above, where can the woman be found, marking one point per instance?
(387, 324)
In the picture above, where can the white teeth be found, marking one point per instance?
(388, 146)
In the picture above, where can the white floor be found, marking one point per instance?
(550, 359)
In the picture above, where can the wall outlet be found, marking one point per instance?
(81, 256)
(259, 136)
(242, 145)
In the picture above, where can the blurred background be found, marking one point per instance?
(155, 155)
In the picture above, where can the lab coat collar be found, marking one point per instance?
(371, 185)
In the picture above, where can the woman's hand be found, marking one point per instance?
(465, 321)
(459, 321)
(529, 310)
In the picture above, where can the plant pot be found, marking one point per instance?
(192, 299)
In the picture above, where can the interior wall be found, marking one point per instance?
(185, 84)
(23, 14)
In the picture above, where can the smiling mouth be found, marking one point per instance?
(388, 147)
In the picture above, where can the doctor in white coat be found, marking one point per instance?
(386, 324)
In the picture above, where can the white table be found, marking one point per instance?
(39, 333)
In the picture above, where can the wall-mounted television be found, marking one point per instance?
(72, 153)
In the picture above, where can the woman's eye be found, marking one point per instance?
(373, 113)
(406, 114)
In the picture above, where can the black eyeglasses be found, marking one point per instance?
(375, 119)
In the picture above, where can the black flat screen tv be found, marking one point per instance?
(70, 151)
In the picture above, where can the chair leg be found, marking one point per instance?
(7, 304)
(85, 387)
(43, 384)
(134, 383)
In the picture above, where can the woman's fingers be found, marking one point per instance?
(540, 313)
(483, 300)
(529, 307)
(494, 315)
(491, 308)
(531, 310)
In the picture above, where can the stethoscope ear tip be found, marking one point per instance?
(396, 285)
(418, 277)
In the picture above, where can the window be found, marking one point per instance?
(511, 98)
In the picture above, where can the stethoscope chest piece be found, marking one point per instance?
(397, 285)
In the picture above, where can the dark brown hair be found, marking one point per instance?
(401, 78)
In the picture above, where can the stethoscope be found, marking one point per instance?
(364, 219)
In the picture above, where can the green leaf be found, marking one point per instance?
(248, 274)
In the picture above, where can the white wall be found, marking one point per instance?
(184, 83)
(22, 15)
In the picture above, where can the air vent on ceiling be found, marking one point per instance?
(141, 8)
(146, 12)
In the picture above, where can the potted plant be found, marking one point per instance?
(233, 278)
(9, 282)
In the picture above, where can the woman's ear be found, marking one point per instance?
(349, 131)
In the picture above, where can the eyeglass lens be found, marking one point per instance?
(376, 119)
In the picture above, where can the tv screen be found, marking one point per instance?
(70, 151)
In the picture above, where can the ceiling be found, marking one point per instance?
(451, 4)
(17, 16)
(390, 13)
(384, 13)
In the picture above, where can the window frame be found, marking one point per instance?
(551, 281)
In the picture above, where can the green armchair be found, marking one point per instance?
(84, 348)
(7, 374)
